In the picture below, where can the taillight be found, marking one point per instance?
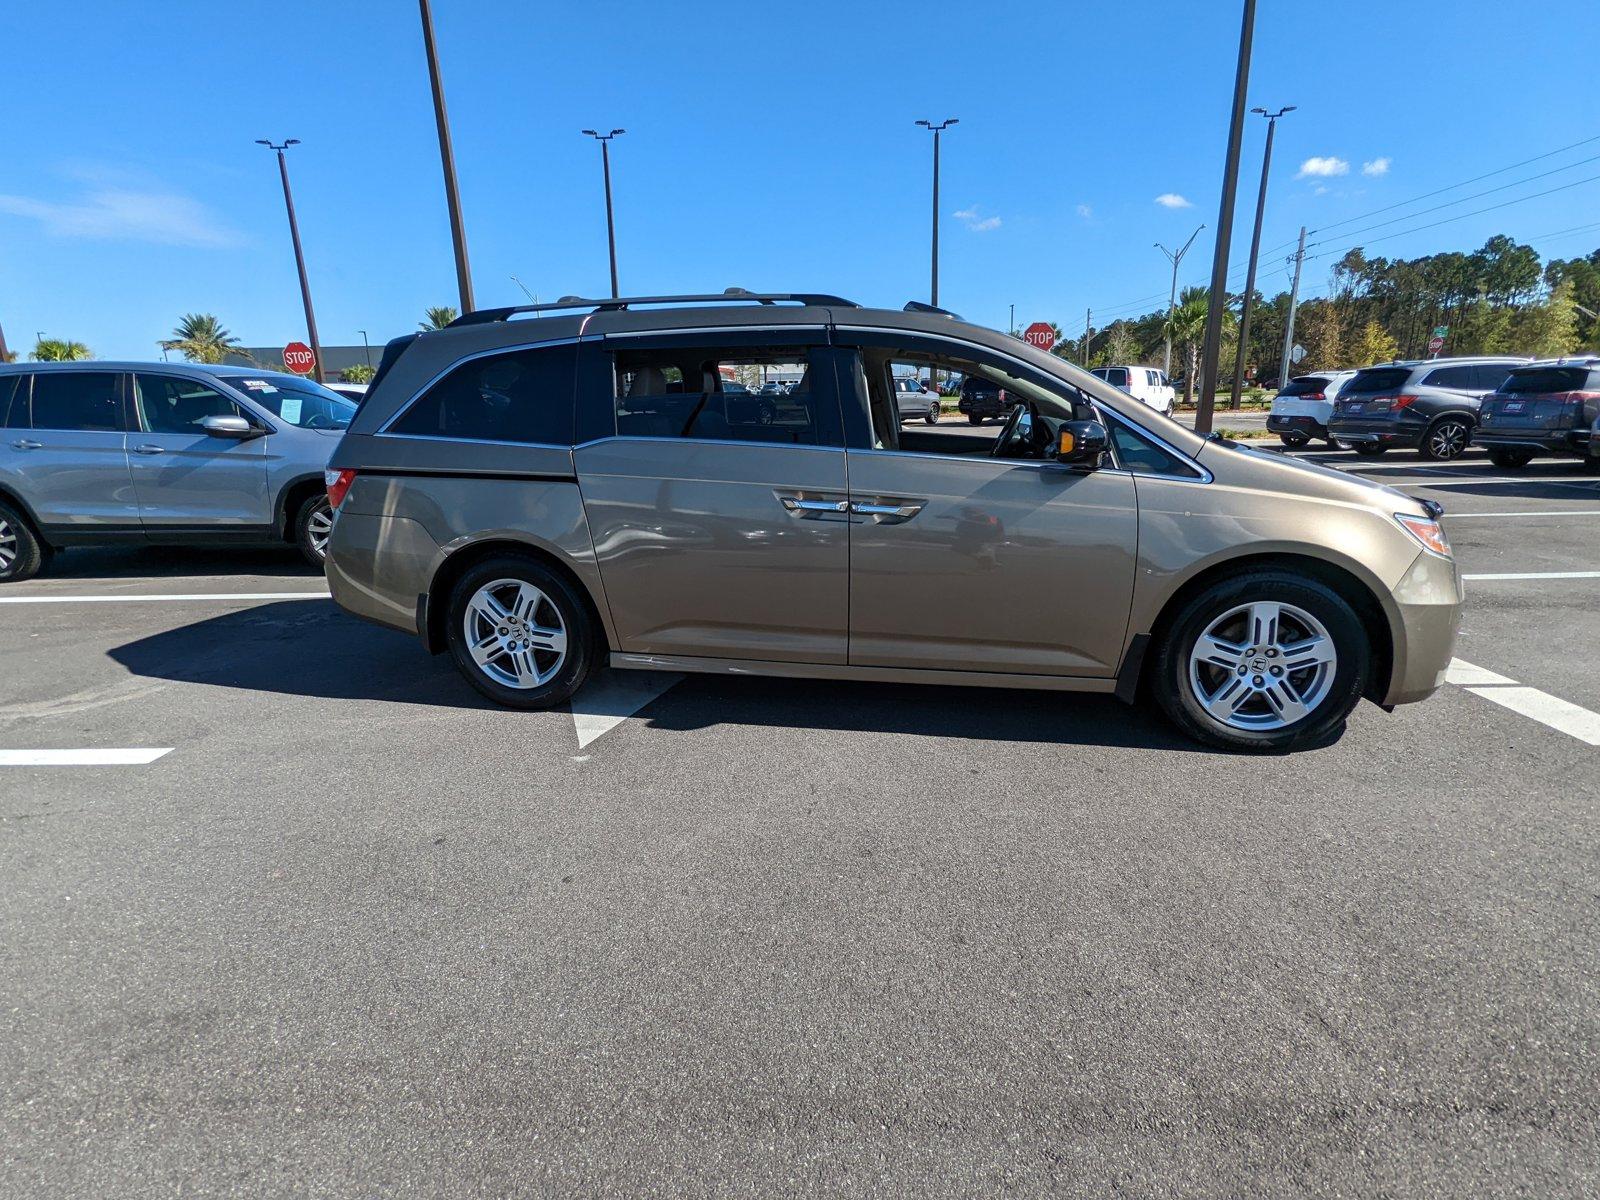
(1314, 396)
(1578, 398)
(1405, 400)
(338, 484)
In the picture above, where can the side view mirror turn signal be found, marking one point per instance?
(1081, 443)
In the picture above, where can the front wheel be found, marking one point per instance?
(520, 633)
(1294, 440)
(1446, 439)
(933, 414)
(1509, 459)
(1267, 660)
(974, 419)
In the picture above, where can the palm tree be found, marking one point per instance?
(438, 318)
(60, 350)
(201, 338)
(1187, 324)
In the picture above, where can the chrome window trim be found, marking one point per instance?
(460, 441)
(1205, 475)
(509, 348)
(688, 441)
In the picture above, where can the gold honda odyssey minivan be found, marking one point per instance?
(723, 483)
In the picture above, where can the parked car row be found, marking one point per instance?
(1516, 408)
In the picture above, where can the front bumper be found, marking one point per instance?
(1428, 611)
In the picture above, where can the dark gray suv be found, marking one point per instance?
(1543, 408)
(108, 452)
(1429, 406)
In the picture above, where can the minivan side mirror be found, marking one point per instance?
(229, 427)
(1081, 443)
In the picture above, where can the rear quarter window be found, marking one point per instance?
(519, 396)
(1462, 378)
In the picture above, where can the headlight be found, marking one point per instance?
(1427, 531)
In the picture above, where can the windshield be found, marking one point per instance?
(297, 401)
(1377, 379)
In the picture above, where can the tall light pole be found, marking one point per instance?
(611, 229)
(299, 255)
(933, 290)
(1255, 249)
(1212, 352)
(366, 345)
(447, 157)
(1172, 298)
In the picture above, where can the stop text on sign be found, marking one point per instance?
(1040, 335)
(297, 356)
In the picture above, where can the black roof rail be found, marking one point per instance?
(488, 316)
(917, 306)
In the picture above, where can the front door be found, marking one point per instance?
(718, 516)
(186, 478)
(962, 561)
(64, 453)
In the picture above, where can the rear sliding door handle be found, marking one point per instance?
(149, 449)
(795, 504)
(904, 511)
(27, 444)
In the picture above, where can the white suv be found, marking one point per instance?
(1301, 410)
(1142, 383)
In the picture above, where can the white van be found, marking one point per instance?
(1142, 383)
(1302, 409)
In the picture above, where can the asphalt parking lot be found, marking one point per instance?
(352, 932)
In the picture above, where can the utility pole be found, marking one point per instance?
(1294, 300)
(1088, 323)
(447, 156)
(299, 256)
(1172, 297)
(1212, 353)
(5, 355)
(933, 291)
(611, 230)
(1255, 250)
(1011, 328)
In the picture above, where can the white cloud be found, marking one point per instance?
(1319, 190)
(1173, 200)
(125, 213)
(1378, 166)
(1323, 168)
(1085, 211)
(973, 221)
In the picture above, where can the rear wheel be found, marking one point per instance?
(21, 551)
(974, 418)
(520, 633)
(312, 526)
(1369, 449)
(1294, 440)
(1446, 439)
(1509, 459)
(933, 413)
(1267, 660)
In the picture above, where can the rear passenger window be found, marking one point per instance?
(8, 385)
(716, 395)
(519, 396)
(77, 400)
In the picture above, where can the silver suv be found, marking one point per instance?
(108, 452)
(541, 497)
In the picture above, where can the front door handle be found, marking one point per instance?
(27, 444)
(149, 449)
(799, 507)
(902, 511)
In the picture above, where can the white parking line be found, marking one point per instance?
(80, 758)
(1550, 711)
(1533, 575)
(1555, 512)
(153, 598)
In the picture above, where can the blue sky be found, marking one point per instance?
(769, 145)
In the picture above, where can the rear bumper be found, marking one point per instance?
(1382, 433)
(1428, 604)
(1283, 423)
(982, 408)
(1552, 441)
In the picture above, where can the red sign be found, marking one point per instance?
(298, 358)
(1039, 335)
(1435, 344)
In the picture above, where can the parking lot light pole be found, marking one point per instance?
(299, 255)
(366, 345)
(611, 229)
(447, 157)
(1211, 354)
(1255, 251)
(933, 290)
(1172, 298)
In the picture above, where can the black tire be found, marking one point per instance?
(1446, 440)
(1509, 459)
(933, 413)
(311, 527)
(975, 418)
(1369, 449)
(1295, 440)
(1169, 670)
(582, 634)
(21, 551)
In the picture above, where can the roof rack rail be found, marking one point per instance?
(917, 306)
(488, 316)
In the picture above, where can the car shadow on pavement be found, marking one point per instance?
(300, 648)
(143, 562)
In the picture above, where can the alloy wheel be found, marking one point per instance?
(1447, 439)
(8, 546)
(318, 528)
(1262, 666)
(515, 634)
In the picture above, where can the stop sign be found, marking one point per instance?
(298, 358)
(1435, 344)
(1039, 335)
